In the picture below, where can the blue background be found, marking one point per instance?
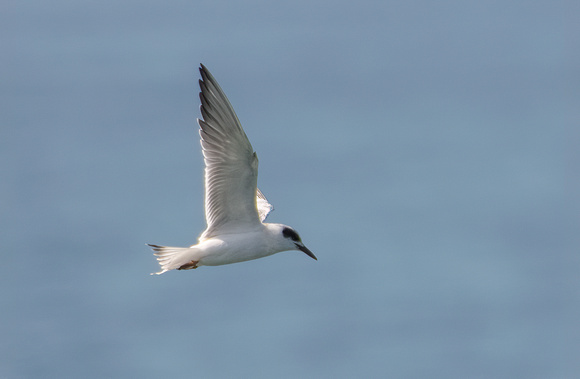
(427, 152)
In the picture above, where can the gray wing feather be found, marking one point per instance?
(231, 165)
(264, 207)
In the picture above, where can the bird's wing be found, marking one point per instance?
(231, 165)
(263, 206)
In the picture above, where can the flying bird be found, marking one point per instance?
(234, 206)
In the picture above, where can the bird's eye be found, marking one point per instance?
(289, 233)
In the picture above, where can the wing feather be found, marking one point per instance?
(264, 207)
(231, 165)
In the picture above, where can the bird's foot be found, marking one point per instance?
(188, 266)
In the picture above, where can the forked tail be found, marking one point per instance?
(171, 258)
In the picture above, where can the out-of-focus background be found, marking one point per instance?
(427, 152)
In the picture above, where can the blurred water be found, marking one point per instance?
(426, 152)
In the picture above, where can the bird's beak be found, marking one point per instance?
(306, 251)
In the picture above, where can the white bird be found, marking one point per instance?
(234, 206)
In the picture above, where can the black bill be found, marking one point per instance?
(306, 251)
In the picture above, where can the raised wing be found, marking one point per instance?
(231, 165)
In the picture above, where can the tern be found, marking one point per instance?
(234, 206)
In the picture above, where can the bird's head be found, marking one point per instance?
(293, 241)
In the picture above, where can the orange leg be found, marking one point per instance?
(189, 265)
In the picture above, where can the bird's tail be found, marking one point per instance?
(171, 258)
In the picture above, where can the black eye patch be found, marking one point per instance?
(289, 233)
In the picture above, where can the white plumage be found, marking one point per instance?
(234, 206)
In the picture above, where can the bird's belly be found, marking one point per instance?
(234, 250)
